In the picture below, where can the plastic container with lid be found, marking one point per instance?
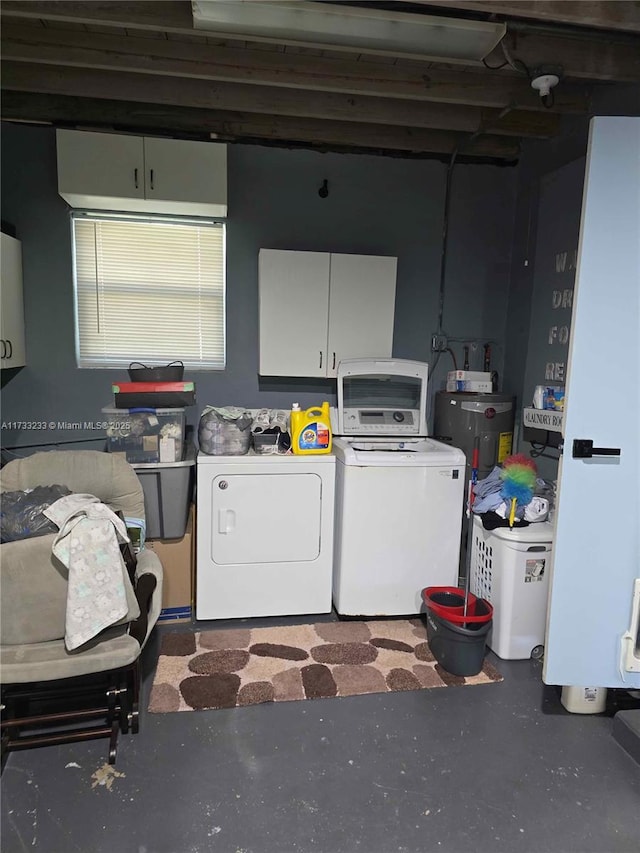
(146, 435)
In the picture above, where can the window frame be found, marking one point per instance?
(116, 363)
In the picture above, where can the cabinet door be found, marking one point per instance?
(294, 300)
(95, 168)
(188, 172)
(12, 349)
(362, 295)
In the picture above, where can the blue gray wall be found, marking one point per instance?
(376, 205)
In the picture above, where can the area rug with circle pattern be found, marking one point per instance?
(226, 668)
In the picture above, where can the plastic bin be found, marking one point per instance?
(510, 568)
(460, 649)
(168, 492)
(584, 700)
(146, 436)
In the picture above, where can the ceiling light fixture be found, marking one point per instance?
(344, 28)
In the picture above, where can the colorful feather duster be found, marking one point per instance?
(519, 479)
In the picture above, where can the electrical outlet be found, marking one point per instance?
(438, 343)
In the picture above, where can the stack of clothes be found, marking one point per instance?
(493, 509)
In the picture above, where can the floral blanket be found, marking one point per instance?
(88, 544)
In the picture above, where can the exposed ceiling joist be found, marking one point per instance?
(268, 100)
(169, 15)
(580, 56)
(74, 62)
(210, 62)
(621, 15)
(232, 126)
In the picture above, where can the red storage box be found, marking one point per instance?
(130, 395)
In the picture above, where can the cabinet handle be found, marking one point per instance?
(10, 349)
(4, 349)
(333, 366)
(135, 177)
(151, 178)
(320, 365)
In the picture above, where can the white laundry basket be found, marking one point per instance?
(510, 568)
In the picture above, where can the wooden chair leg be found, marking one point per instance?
(113, 741)
(116, 706)
(135, 697)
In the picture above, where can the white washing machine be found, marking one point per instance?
(264, 535)
(399, 494)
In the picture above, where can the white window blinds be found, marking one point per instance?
(149, 290)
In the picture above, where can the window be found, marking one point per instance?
(149, 290)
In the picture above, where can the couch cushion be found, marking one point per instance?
(107, 476)
(33, 602)
(50, 661)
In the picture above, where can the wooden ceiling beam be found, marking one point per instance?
(169, 15)
(237, 127)
(583, 56)
(623, 15)
(579, 58)
(237, 97)
(295, 71)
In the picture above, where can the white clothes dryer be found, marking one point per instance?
(264, 535)
(399, 494)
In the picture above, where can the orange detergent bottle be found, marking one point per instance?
(310, 429)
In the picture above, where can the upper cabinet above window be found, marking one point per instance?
(107, 171)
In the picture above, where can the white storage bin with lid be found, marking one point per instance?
(510, 568)
(146, 435)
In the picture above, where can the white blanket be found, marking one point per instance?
(88, 545)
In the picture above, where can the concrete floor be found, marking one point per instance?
(459, 770)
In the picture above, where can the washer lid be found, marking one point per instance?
(382, 396)
(397, 452)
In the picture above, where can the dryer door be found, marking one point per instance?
(265, 518)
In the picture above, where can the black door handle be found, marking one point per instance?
(583, 449)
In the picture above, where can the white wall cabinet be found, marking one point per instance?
(317, 308)
(144, 174)
(12, 345)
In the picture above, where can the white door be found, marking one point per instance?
(265, 518)
(597, 551)
(362, 294)
(294, 304)
(185, 171)
(99, 165)
(11, 308)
